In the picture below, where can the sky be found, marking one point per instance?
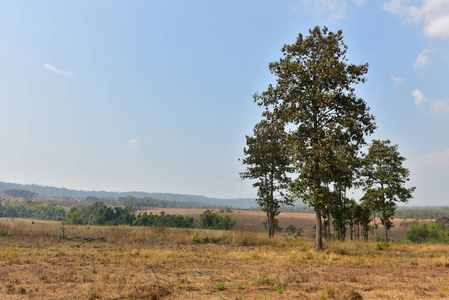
(156, 96)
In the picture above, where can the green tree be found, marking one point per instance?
(315, 98)
(210, 220)
(268, 163)
(384, 180)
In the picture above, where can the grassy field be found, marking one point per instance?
(253, 221)
(155, 263)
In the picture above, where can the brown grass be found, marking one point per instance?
(253, 221)
(156, 263)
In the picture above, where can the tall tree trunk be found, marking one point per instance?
(325, 228)
(375, 226)
(384, 215)
(272, 203)
(343, 224)
(319, 238)
(269, 225)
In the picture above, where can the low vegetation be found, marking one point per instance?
(124, 262)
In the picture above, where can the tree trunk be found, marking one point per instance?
(325, 228)
(375, 226)
(272, 203)
(329, 226)
(268, 225)
(384, 215)
(319, 238)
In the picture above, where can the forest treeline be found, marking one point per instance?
(32, 209)
(99, 213)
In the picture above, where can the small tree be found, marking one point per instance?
(268, 163)
(384, 180)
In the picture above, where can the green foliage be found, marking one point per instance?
(383, 245)
(280, 289)
(220, 286)
(240, 286)
(384, 180)
(4, 232)
(291, 229)
(196, 238)
(315, 98)
(226, 209)
(101, 214)
(32, 209)
(163, 219)
(210, 220)
(268, 163)
(435, 232)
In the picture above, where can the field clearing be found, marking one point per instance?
(164, 263)
(253, 221)
(11, 221)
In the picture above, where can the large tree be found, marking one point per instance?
(384, 180)
(315, 98)
(268, 163)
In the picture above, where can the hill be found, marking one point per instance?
(55, 192)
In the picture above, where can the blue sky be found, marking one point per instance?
(157, 96)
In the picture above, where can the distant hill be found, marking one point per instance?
(49, 191)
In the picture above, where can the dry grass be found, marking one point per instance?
(253, 221)
(156, 263)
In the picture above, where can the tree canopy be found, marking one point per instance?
(314, 97)
(384, 180)
(267, 162)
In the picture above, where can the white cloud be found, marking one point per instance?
(436, 159)
(438, 27)
(419, 97)
(440, 107)
(432, 14)
(133, 143)
(398, 80)
(54, 69)
(423, 58)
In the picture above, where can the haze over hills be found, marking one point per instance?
(55, 192)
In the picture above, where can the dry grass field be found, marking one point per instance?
(163, 263)
(252, 220)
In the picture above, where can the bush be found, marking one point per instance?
(382, 246)
(435, 233)
(196, 238)
(292, 230)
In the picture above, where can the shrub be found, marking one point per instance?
(196, 238)
(291, 229)
(435, 232)
(382, 246)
